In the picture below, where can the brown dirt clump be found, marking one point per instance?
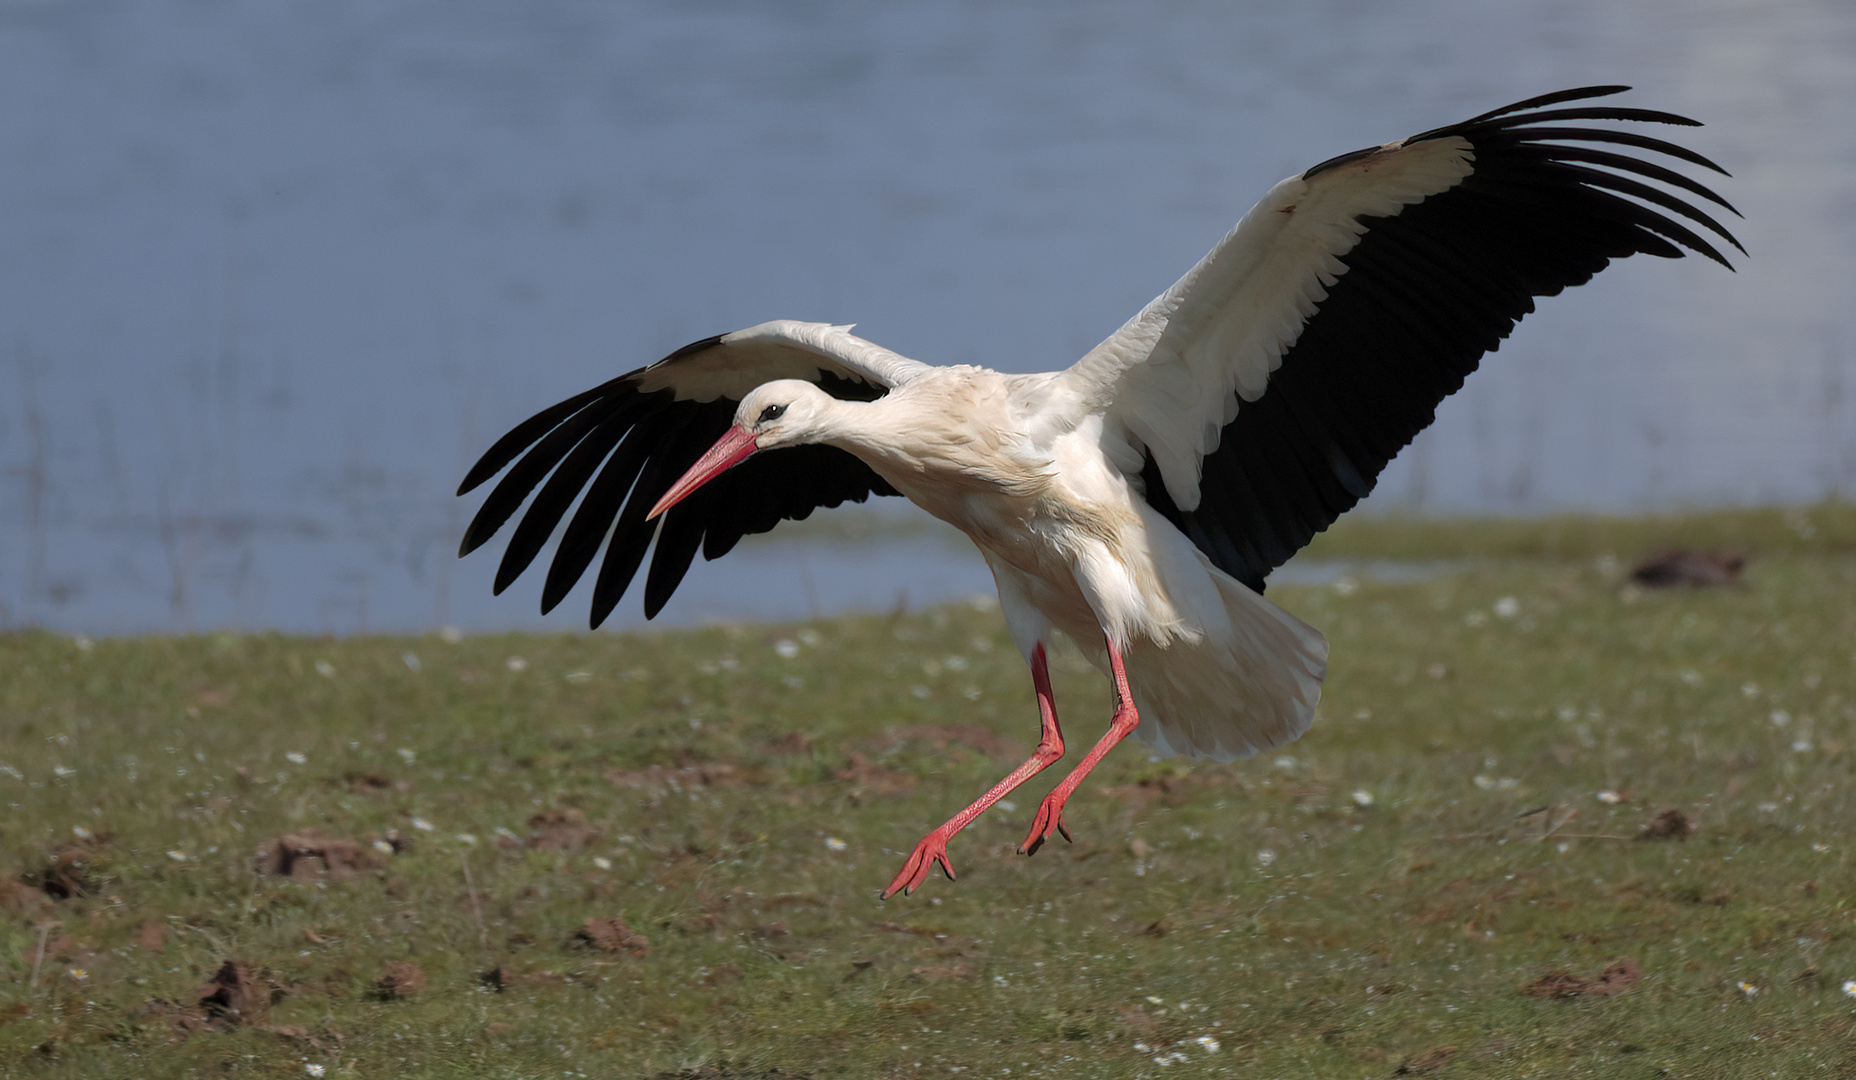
(870, 778)
(402, 979)
(152, 935)
(1671, 824)
(21, 899)
(306, 856)
(612, 935)
(1679, 567)
(560, 829)
(235, 995)
(1615, 979)
(1430, 1061)
(67, 875)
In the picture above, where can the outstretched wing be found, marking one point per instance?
(625, 442)
(1265, 391)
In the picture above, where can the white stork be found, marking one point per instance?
(1137, 500)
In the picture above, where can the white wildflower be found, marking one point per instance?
(1362, 797)
(1265, 857)
(406, 755)
(1507, 607)
(1849, 988)
(832, 843)
(411, 660)
(450, 635)
(423, 825)
(602, 862)
(296, 758)
(1210, 1044)
(383, 847)
(177, 855)
(786, 648)
(466, 838)
(325, 669)
(1609, 797)
(314, 1070)
(516, 663)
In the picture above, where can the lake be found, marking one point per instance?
(276, 273)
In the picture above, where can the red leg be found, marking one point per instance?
(933, 847)
(1050, 812)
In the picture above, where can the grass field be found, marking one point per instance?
(1431, 882)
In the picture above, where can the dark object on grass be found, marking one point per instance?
(1695, 569)
(1615, 979)
(235, 995)
(1137, 500)
(1671, 824)
(66, 876)
(402, 979)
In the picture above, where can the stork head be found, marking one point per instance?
(785, 412)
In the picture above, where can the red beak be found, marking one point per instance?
(733, 448)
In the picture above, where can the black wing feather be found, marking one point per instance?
(1426, 293)
(632, 446)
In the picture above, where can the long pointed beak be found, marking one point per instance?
(733, 448)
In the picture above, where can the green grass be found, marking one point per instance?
(740, 808)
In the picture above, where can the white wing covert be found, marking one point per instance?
(1267, 389)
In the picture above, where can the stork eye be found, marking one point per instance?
(771, 412)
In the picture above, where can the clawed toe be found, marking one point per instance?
(931, 850)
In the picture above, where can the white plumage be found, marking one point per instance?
(1137, 500)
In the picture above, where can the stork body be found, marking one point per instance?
(1136, 500)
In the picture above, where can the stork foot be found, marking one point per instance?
(1049, 820)
(930, 850)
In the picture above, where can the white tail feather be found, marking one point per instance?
(1229, 697)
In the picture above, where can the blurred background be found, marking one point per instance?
(273, 274)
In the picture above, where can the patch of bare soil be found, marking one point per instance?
(401, 980)
(69, 873)
(1679, 567)
(307, 856)
(1428, 1062)
(869, 778)
(236, 995)
(1671, 824)
(1615, 979)
(563, 828)
(612, 935)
